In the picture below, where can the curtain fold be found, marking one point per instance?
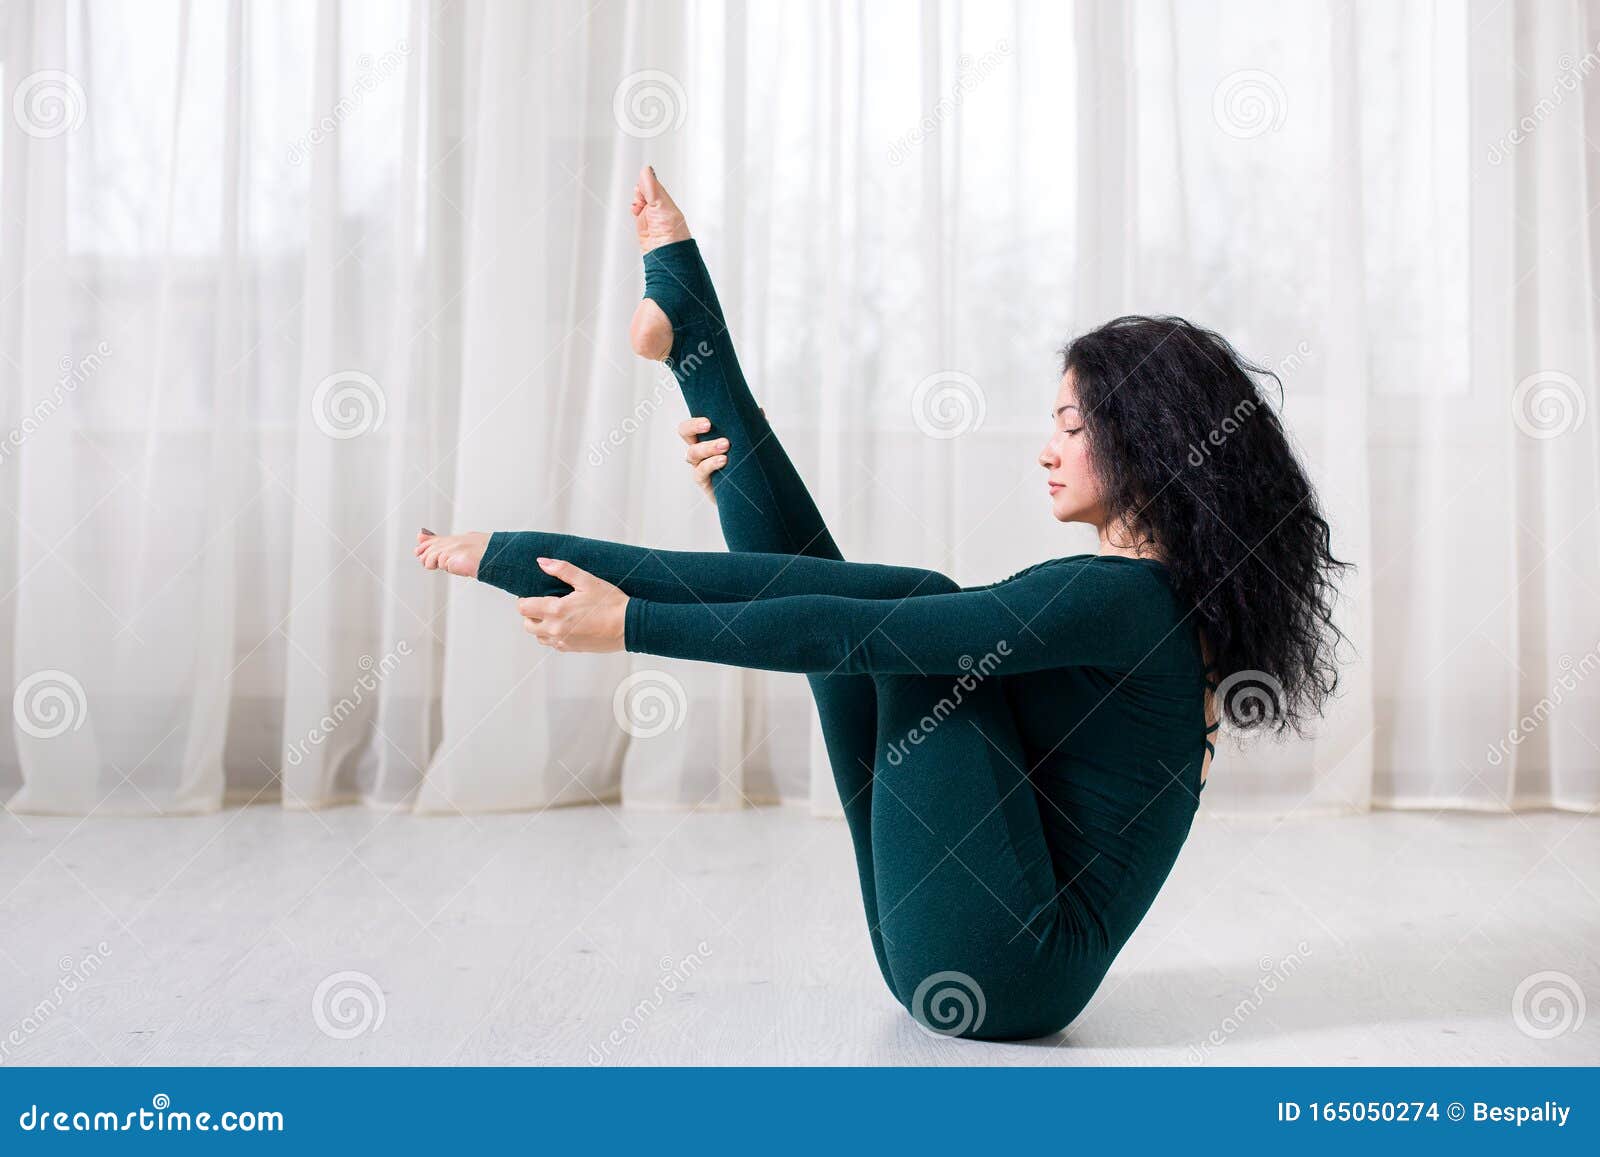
(281, 283)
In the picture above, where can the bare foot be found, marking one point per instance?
(455, 553)
(656, 216)
(658, 221)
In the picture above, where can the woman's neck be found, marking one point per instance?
(1119, 540)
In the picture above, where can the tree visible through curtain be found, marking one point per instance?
(280, 283)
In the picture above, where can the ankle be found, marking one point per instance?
(676, 280)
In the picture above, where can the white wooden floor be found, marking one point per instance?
(586, 935)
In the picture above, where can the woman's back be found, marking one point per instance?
(1116, 755)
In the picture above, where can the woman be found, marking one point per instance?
(1019, 762)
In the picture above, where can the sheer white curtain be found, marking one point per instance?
(280, 283)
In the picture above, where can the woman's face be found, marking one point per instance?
(1074, 490)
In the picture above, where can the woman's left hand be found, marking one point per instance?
(590, 619)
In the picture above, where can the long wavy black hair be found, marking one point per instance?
(1192, 458)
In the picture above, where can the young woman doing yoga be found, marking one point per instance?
(1019, 762)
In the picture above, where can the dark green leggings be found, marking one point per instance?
(960, 888)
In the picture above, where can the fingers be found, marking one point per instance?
(710, 466)
(573, 576)
(706, 457)
(700, 451)
(539, 608)
(543, 617)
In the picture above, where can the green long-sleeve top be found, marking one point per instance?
(811, 615)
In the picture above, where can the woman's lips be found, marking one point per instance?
(1054, 486)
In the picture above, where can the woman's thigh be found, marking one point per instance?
(966, 890)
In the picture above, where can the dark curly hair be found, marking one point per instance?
(1192, 458)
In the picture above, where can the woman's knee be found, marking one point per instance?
(900, 582)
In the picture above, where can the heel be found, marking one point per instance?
(676, 279)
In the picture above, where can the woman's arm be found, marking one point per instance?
(510, 562)
(1080, 613)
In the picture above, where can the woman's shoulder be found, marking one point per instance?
(1114, 567)
(1109, 582)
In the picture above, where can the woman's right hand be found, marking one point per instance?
(705, 458)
